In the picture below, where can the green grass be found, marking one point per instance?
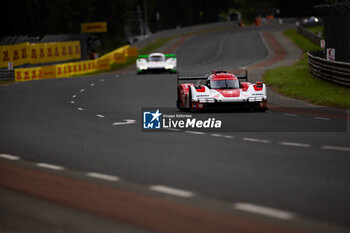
(302, 42)
(296, 81)
(155, 45)
(317, 29)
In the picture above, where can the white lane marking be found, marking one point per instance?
(288, 114)
(9, 157)
(229, 136)
(92, 84)
(102, 80)
(172, 191)
(216, 135)
(171, 129)
(339, 148)
(72, 102)
(49, 166)
(127, 122)
(194, 132)
(102, 176)
(117, 75)
(275, 213)
(322, 118)
(80, 109)
(82, 90)
(101, 116)
(243, 68)
(294, 144)
(256, 140)
(73, 96)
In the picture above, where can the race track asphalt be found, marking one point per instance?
(269, 160)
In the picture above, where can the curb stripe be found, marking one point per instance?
(322, 118)
(102, 176)
(49, 166)
(338, 148)
(256, 140)
(275, 213)
(9, 157)
(194, 132)
(171, 191)
(294, 144)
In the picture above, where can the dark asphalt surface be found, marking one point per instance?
(39, 123)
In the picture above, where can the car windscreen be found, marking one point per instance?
(156, 58)
(224, 84)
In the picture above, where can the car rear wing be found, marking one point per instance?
(243, 77)
(203, 77)
(143, 56)
(166, 55)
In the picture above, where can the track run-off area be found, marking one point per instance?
(72, 151)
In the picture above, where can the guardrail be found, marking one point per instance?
(332, 71)
(310, 35)
(7, 75)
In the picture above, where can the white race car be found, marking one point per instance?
(156, 62)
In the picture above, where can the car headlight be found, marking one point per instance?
(169, 67)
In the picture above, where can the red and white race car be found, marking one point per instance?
(220, 90)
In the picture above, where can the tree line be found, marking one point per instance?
(42, 17)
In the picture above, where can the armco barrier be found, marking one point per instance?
(310, 35)
(26, 53)
(103, 63)
(333, 71)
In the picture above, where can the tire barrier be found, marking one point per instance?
(118, 56)
(38, 53)
(332, 71)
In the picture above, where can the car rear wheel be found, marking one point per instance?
(190, 108)
(178, 101)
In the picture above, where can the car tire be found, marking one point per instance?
(190, 101)
(178, 101)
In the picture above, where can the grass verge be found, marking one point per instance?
(295, 81)
(317, 29)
